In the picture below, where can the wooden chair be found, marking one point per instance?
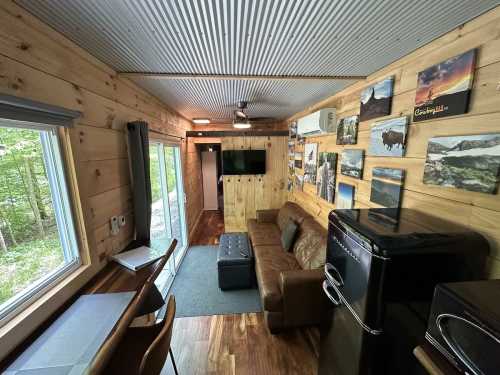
(144, 350)
(115, 338)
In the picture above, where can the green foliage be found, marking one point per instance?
(23, 264)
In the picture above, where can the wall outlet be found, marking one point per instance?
(121, 220)
(115, 228)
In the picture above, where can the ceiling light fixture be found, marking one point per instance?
(241, 125)
(201, 121)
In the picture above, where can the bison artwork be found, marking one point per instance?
(388, 137)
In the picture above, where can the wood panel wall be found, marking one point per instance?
(245, 194)
(38, 63)
(480, 212)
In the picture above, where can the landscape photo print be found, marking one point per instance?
(352, 163)
(444, 89)
(345, 196)
(347, 130)
(388, 138)
(376, 100)
(325, 181)
(387, 186)
(310, 162)
(470, 162)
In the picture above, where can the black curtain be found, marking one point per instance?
(138, 142)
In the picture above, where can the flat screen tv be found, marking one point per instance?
(243, 162)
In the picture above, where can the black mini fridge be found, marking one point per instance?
(381, 269)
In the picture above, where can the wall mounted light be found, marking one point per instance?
(201, 121)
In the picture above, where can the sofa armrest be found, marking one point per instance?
(304, 302)
(267, 216)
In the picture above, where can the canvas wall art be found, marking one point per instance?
(293, 129)
(385, 194)
(299, 182)
(470, 162)
(393, 174)
(291, 149)
(347, 130)
(298, 160)
(325, 180)
(310, 162)
(352, 163)
(290, 184)
(444, 89)
(345, 196)
(388, 137)
(376, 100)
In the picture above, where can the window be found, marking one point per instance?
(38, 244)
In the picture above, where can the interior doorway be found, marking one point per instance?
(211, 165)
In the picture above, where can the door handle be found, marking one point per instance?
(333, 275)
(330, 297)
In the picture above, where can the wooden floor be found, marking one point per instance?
(238, 343)
(209, 229)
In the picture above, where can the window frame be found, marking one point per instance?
(60, 190)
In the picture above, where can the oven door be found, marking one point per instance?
(475, 347)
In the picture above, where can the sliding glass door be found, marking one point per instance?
(167, 210)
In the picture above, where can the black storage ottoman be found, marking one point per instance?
(235, 262)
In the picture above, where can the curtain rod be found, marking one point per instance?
(166, 134)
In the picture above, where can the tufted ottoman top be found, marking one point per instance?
(234, 248)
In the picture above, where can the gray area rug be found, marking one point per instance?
(197, 292)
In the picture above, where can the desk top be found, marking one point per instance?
(113, 278)
(69, 345)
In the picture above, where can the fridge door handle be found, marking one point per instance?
(355, 315)
(330, 297)
(333, 275)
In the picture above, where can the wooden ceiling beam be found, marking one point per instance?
(239, 76)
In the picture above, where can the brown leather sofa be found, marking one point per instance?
(289, 282)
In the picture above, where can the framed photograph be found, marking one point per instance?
(298, 160)
(310, 162)
(293, 129)
(387, 186)
(291, 168)
(352, 163)
(347, 130)
(470, 162)
(299, 182)
(385, 194)
(290, 184)
(325, 180)
(291, 149)
(388, 138)
(376, 100)
(444, 89)
(345, 196)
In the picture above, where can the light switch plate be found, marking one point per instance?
(115, 228)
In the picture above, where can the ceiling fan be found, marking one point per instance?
(241, 115)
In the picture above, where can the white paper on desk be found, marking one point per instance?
(137, 258)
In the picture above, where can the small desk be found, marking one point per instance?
(72, 341)
(113, 278)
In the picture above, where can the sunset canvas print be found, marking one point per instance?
(376, 100)
(444, 89)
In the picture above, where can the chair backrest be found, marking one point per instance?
(155, 357)
(162, 262)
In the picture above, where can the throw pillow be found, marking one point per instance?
(288, 235)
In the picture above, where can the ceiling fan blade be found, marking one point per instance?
(261, 119)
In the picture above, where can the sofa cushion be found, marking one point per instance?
(269, 262)
(310, 245)
(288, 235)
(263, 233)
(290, 211)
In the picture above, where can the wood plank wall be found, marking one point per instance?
(245, 194)
(38, 63)
(480, 212)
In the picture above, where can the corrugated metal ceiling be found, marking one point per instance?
(259, 37)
